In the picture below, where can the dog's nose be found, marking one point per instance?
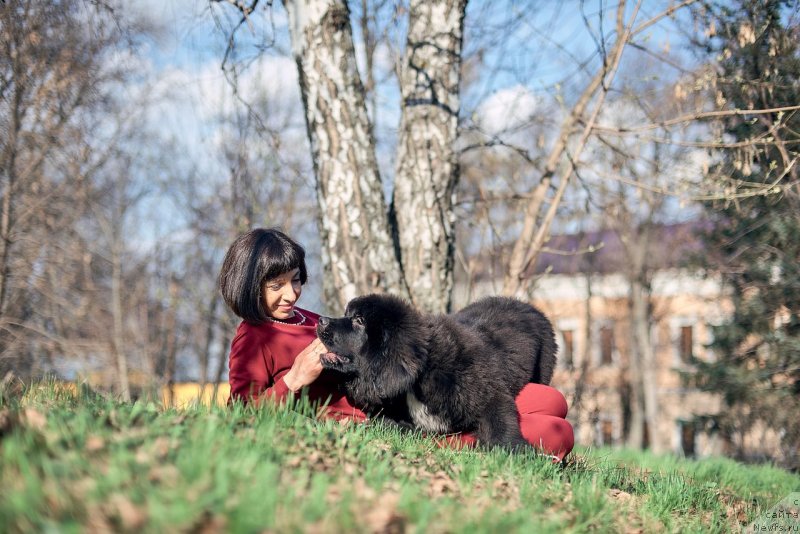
(323, 321)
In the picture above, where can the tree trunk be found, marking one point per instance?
(118, 334)
(221, 364)
(427, 165)
(6, 219)
(357, 252)
(8, 185)
(586, 354)
(640, 328)
(211, 320)
(643, 379)
(171, 345)
(637, 405)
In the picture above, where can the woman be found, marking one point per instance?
(276, 352)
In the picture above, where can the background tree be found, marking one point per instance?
(53, 73)
(754, 241)
(631, 182)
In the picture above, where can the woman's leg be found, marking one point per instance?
(541, 399)
(542, 411)
(548, 433)
(542, 419)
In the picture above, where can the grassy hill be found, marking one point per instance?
(75, 461)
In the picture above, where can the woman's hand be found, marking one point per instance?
(306, 367)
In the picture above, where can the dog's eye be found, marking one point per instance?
(358, 320)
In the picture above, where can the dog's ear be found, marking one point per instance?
(399, 367)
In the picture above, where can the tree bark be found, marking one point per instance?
(357, 252)
(118, 335)
(638, 417)
(640, 296)
(427, 164)
(211, 321)
(644, 384)
(9, 183)
(580, 382)
(171, 345)
(6, 220)
(640, 292)
(221, 364)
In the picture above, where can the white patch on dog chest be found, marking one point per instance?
(424, 418)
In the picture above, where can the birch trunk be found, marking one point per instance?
(221, 364)
(357, 251)
(580, 382)
(640, 329)
(427, 165)
(171, 345)
(6, 219)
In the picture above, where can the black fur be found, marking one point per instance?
(465, 369)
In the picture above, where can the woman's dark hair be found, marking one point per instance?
(254, 258)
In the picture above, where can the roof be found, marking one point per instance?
(603, 251)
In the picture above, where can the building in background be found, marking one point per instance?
(584, 288)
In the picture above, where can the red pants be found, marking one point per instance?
(542, 420)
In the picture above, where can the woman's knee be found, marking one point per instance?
(541, 399)
(551, 434)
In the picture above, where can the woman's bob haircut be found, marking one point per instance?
(253, 259)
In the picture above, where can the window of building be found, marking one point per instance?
(686, 343)
(606, 345)
(606, 432)
(688, 434)
(568, 347)
(708, 352)
(686, 335)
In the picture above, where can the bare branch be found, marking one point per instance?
(529, 243)
(754, 189)
(666, 13)
(691, 117)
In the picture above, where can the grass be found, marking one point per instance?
(72, 461)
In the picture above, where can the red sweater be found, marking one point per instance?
(262, 354)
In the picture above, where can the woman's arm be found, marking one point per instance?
(253, 367)
(306, 367)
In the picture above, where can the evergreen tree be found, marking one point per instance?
(753, 243)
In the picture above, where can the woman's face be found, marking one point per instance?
(281, 294)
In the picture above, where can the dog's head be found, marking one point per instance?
(381, 342)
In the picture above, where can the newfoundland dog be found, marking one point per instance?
(451, 373)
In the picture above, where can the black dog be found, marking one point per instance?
(455, 373)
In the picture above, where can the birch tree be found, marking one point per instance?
(427, 165)
(408, 251)
(357, 249)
